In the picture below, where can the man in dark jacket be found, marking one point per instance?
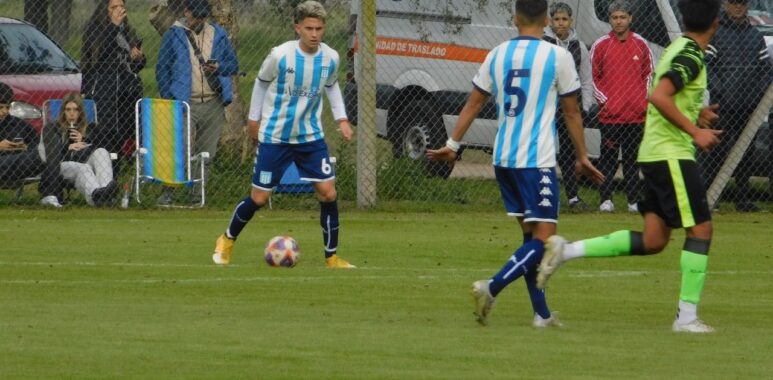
(739, 73)
(19, 156)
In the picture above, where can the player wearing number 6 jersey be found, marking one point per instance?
(285, 118)
(527, 76)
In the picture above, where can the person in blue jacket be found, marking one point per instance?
(195, 63)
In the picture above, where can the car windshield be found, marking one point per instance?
(25, 50)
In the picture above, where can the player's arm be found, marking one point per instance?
(573, 118)
(685, 68)
(256, 107)
(339, 110)
(470, 111)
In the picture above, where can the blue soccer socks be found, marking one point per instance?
(526, 259)
(328, 220)
(245, 210)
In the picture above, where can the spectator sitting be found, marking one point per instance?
(19, 157)
(87, 167)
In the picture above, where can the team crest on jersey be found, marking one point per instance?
(325, 70)
(265, 177)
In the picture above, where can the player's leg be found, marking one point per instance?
(542, 315)
(660, 208)
(313, 162)
(535, 190)
(271, 160)
(608, 154)
(696, 218)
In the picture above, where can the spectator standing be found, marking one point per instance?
(740, 71)
(195, 64)
(66, 144)
(111, 59)
(19, 157)
(561, 33)
(622, 68)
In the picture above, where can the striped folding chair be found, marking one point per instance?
(163, 154)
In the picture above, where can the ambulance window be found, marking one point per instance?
(647, 20)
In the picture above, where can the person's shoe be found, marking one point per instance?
(577, 204)
(550, 322)
(166, 198)
(338, 263)
(483, 300)
(223, 249)
(553, 258)
(104, 196)
(633, 208)
(746, 207)
(51, 200)
(607, 206)
(695, 326)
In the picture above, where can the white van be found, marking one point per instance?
(429, 50)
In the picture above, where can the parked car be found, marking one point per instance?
(35, 67)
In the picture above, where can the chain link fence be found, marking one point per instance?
(406, 70)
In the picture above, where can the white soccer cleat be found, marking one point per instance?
(51, 200)
(695, 326)
(607, 206)
(550, 322)
(553, 258)
(633, 208)
(483, 299)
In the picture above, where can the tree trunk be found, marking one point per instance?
(234, 136)
(60, 23)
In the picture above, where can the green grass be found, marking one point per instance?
(108, 294)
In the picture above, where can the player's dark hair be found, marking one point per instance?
(6, 93)
(698, 15)
(532, 11)
(560, 7)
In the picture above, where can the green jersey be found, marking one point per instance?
(682, 63)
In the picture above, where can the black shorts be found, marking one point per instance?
(674, 190)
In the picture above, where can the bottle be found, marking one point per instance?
(125, 199)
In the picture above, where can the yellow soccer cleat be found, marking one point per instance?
(338, 263)
(223, 249)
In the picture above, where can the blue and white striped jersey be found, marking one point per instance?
(526, 76)
(292, 107)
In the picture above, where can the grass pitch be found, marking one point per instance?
(108, 294)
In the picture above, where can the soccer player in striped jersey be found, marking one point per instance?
(286, 119)
(674, 194)
(527, 76)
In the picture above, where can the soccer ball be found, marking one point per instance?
(282, 251)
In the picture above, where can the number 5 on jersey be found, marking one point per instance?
(515, 92)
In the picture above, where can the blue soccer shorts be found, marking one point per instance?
(529, 193)
(271, 161)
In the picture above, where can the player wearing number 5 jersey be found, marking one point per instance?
(527, 76)
(285, 118)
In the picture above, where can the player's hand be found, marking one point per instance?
(708, 116)
(253, 127)
(443, 154)
(706, 139)
(346, 130)
(584, 167)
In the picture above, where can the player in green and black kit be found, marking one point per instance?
(674, 195)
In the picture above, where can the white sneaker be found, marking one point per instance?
(607, 206)
(51, 200)
(550, 322)
(553, 258)
(483, 299)
(695, 326)
(633, 207)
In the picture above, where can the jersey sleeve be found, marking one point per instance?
(483, 79)
(270, 67)
(332, 70)
(567, 80)
(685, 67)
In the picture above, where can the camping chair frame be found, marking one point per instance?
(141, 152)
